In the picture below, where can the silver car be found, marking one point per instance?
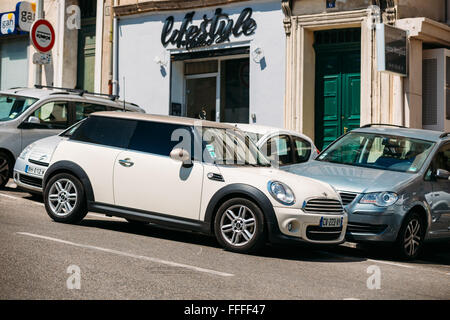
(282, 147)
(394, 183)
(30, 114)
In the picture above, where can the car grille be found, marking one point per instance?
(32, 181)
(329, 206)
(365, 228)
(347, 197)
(323, 234)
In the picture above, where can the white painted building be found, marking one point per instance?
(237, 78)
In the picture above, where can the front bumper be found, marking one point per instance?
(369, 223)
(305, 227)
(27, 181)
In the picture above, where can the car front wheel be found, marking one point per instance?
(5, 168)
(239, 226)
(64, 199)
(411, 236)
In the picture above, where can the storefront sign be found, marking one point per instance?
(26, 14)
(392, 49)
(217, 29)
(8, 23)
(42, 35)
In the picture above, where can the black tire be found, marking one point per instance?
(239, 228)
(405, 247)
(79, 207)
(6, 168)
(137, 222)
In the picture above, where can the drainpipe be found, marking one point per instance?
(115, 66)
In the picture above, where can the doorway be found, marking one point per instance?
(201, 97)
(86, 46)
(338, 84)
(215, 89)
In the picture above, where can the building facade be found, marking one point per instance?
(332, 79)
(219, 60)
(80, 57)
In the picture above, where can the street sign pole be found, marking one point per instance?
(39, 15)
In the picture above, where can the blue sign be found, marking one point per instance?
(10, 22)
(331, 4)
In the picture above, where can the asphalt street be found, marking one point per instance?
(112, 259)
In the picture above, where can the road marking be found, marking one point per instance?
(10, 197)
(351, 299)
(392, 263)
(130, 255)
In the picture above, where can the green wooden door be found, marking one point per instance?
(86, 57)
(338, 90)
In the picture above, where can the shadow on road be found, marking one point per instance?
(290, 252)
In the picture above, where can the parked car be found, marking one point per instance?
(30, 114)
(394, 183)
(33, 161)
(282, 147)
(210, 181)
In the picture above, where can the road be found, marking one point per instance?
(112, 259)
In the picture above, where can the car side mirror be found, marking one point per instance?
(442, 174)
(33, 119)
(182, 155)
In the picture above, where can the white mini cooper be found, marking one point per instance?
(190, 174)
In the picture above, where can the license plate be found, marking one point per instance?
(34, 170)
(326, 222)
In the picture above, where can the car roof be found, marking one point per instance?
(265, 131)
(163, 118)
(40, 94)
(422, 134)
(261, 129)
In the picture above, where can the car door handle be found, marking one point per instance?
(126, 163)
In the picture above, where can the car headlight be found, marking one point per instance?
(381, 199)
(281, 192)
(26, 151)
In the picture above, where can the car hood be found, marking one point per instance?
(352, 178)
(43, 149)
(303, 188)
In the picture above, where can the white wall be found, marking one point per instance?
(145, 84)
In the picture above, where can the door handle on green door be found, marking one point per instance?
(126, 163)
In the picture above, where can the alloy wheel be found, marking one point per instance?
(412, 237)
(62, 197)
(238, 225)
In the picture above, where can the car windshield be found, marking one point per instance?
(231, 147)
(13, 106)
(378, 151)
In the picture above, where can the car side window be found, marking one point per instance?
(84, 109)
(105, 131)
(52, 115)
(441, 160)
(278, 150)
(302, 149)
(161, 138)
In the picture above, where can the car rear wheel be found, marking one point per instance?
(411, 236)
(6, 165)
(239, 226)
(64, 199)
